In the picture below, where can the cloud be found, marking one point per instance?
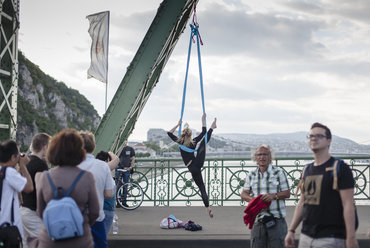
(309, 7)
(262, 35)
(129, 30)
(353, 11)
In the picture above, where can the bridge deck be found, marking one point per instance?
(140, 227)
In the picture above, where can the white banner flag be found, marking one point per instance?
(99, 32)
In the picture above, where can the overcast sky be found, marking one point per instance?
(268, 66)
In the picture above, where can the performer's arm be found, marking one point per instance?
(174, 128)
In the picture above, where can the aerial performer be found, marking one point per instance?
(192, 161)
(186, 143)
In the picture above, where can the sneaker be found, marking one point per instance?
(125, 204)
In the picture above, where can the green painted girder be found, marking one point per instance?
(9, 26)
(142, 74)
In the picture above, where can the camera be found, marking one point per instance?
(22, 155)
(270, 223)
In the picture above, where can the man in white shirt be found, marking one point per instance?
(103, 183)
(13, 183)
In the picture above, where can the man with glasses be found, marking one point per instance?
(271, 182)
(328, 215)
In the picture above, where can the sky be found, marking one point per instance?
(270, 66)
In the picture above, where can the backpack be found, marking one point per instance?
(10, 236)
(170, 222)
(62, 216)
(335, 172)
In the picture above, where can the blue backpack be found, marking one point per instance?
(62, 216)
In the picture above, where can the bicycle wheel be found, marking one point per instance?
(134, 198)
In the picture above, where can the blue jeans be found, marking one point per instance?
(126, 178)
(108, 220)
(99, 234)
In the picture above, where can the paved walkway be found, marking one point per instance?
(143, 223)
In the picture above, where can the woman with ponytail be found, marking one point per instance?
(192, 161)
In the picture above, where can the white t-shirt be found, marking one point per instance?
(12, 184)
(102, 176)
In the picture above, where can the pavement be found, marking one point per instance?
(140, 227)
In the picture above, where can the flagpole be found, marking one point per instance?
(106, 90)
(106, 80)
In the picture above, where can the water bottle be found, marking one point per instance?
(115, 224)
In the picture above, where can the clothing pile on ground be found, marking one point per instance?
(191, 226)
(171, 222)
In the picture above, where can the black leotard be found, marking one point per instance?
(196, 161)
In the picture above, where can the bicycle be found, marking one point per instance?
(135, 194)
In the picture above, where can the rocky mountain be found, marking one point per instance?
(46, 105)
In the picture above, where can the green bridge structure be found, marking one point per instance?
(143, 74)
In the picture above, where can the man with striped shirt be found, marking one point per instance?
(271, 182)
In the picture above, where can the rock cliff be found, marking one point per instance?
(45, 105)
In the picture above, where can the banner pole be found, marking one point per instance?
(106, 80)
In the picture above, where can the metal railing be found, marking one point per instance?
(167, 182)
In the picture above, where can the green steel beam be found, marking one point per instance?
(9, 25)
(143, 74)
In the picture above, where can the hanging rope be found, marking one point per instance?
(194, 32)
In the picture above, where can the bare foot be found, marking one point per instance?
(213, 126)
(210, 213)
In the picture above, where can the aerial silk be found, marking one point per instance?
(194, 32)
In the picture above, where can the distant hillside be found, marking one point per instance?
(297, 142)
(159, 136)
(45, 105)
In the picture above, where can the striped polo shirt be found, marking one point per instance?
(274, 180)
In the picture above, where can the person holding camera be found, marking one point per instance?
(13, 183)
(271, 182)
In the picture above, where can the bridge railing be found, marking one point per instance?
(167, 182)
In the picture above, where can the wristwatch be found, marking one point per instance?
(276, 197)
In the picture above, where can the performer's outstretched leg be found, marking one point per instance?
(197, 164)
(201, 153)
